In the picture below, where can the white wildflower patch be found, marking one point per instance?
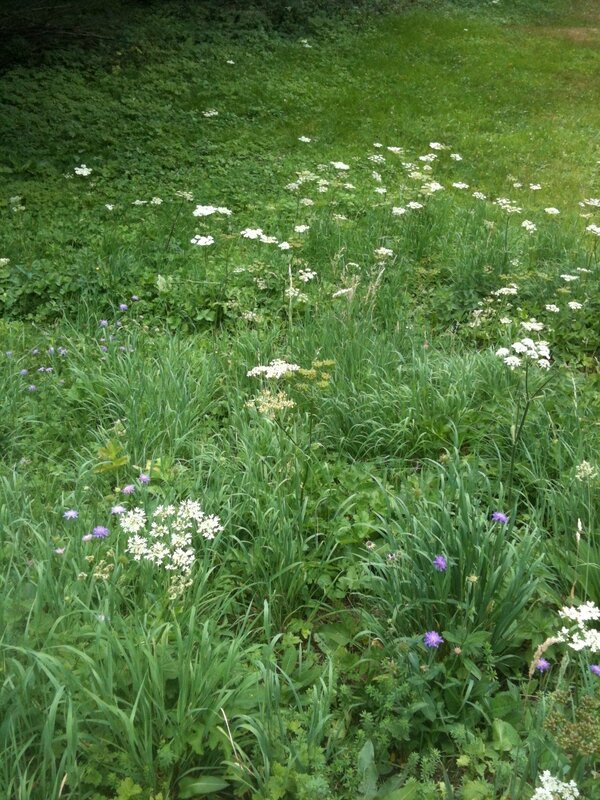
(275, 370)
(552, 788)
(83, 170)
(206, 211)
(578, 633)
(166, 540)
(538, 352)
(202, 241)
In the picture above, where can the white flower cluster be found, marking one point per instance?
(166, 539)
(507, 205)
(206, 211)
(579, 636)
(276, 369)
(553, 789)
(536, 351)
(83, 170)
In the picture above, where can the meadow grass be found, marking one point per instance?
(299, 510)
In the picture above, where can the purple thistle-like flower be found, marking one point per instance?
(440, 563)
(24, 372)
(432, 639)
(100, 532)
(144, 478)
(32, 388)
(118, 510)
(542, 665)
(103, 323)
(123, 306)
(71, 514)
(595, 669)
(129, 489)
(499, 516)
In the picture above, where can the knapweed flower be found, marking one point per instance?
(123, 306)
(144, 478)
(100, 532)
(129, 489)
(432, 639)
(118, 510)
(499, 516)
(542, 665)
(595, 669)
(103, 323)
(440, 563)
(71, 514)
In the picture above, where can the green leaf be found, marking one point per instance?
(190, 788)
(367, 770)
(505, 737)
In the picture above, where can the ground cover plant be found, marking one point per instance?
(299, 470)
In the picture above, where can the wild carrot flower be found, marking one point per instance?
(202, 241)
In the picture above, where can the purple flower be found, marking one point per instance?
(103, 323)
(32, 388)
(62, 351)
(542, 665)
(144, 478)
(118, 510)
(50, 351)
(440, 563)
(123, 306)
(595, 669)
(71, 514)
(432, 639)
(129, 489)
(498, 516)
(100, 532)
(24, 372)
(104, 348)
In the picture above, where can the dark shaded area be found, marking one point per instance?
(31, 30)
